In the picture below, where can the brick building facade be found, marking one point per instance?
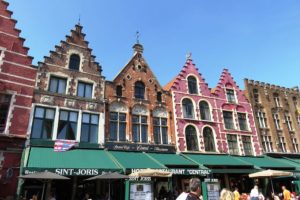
(69, 95)
(212, 121)
(17, 80)
(277, 114)
(139, 111)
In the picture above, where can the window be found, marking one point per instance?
(232, 144)
(84, 90)
(295, 102)
(230, 95)
(204, 111)
(191, 139)
(74, 62)
(192, 85)
(140, 128)
(43, 120)
(295, 145)
(4, 109)
(67, 125)
(281, 144)
(119, 90)
(89, 128)
(158, 97)
(276, 99)
(188, 108)
(256, 95)
(228, 120)
(117, 126)
(262, 120)
(247, 145)
(139, 90)
(160, 128)
(276, 121)
(242, 121)
(209, 143)
(288, 121)
(267, 143)
(58, 85)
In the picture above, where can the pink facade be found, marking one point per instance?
(199, 114)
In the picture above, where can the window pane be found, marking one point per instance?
(191, 139)
(88, 90)
(136, 133)
(37, 128)
(62, 86)
(50, 114)
(80, 90)
(74, 62)
(62, 129)
(95, 119)
(157, 134)
(144, 134)
(156, 121)
(164, 135)
(73, 116)
(122, 117)
(114, 116)
(94, 134)
(72, 131)
(84, 137)
(39, 112)
(164, 121)
(143, 119)
(122, 132)
(63, 115)
(47, 129)
(85, 118)
(135, 119)
(113, 131)
(53, 84)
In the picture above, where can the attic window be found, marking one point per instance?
(74, 62)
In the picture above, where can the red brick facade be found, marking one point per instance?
(17, 80)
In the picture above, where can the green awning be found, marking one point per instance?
(173, 160)
(217, 160)
(73, 162)
(266, 162)
(135, 160)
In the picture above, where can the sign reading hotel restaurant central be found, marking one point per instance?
(198, 172)
(120, 146)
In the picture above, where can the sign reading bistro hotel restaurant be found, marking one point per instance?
(122, 146)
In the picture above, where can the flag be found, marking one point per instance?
(63, 145)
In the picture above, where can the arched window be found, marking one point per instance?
(139, 122)
(191, 138)
(139, 90)
(209, 143)
(117, 121)
(160, 125)
(158, 97)
(74, 62)
(119, 90)
(204, 111)
(187, 108)
(192, 84)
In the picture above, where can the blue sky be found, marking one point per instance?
(255, 39)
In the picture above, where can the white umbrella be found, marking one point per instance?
(269, 174)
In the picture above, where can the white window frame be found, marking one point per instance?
(267, 143)
(295, 145)
(276, 121)
(288, 121)
(282, 143)
(261, 119)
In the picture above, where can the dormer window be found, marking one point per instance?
(119, 91)
(192, 85)
(139, 90)
(74, 62)
(230, 96)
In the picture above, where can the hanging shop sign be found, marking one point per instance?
(195, 172)
(67, 172)
(139, 147)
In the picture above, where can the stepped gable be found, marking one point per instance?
(75, 43)
(10, 36)
(189, 68)
(227, 81)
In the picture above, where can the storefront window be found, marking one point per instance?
(67, 126)
(117, 126)
(209, 142)
(42, 127)
(232, 144)
(89, 128)
(140, 128)
(160, 129)
(4, 109)
(191, 139)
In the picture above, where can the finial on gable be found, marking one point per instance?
(189, 56)
(138, 48)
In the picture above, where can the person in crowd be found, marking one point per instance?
(34, 197)
(275, 196)
(52, 196)
(162, 193)
(261, 196)
(254, 193)
(195, 189)
(236, 193)
(286, 193)
(183, 195)
(226, 195)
